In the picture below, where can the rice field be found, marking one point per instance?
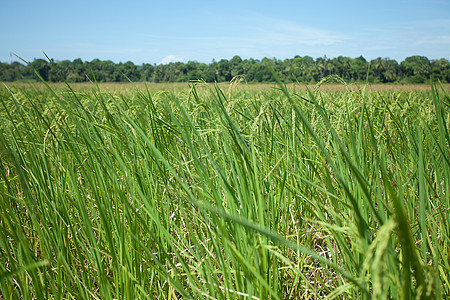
(201, 191)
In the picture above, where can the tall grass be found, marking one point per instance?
(224, 194)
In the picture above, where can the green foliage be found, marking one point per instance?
(414, 69)
(206, 193)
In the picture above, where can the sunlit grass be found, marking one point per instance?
(223, 192)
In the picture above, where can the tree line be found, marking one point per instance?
(414, 69)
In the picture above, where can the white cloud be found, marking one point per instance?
(171, 58)
(291, 34)
(261, 36)
(269, 30)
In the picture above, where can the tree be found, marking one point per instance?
(11, 72)
(391, 70)
(42, 67)
(377, 68)
(416, 68)
(236, 66)
(440, 70)
(223, 70)
(342, 67)
(321, 66)
(358, 69)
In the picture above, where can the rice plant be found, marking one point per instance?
(207, 193)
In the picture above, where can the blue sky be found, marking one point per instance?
(165, 31)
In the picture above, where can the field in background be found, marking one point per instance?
(234, 191)
(176, 87)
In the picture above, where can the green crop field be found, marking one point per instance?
(230, 191)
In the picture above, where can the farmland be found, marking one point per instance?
(224, 191)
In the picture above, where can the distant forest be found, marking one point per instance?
(414, 69)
